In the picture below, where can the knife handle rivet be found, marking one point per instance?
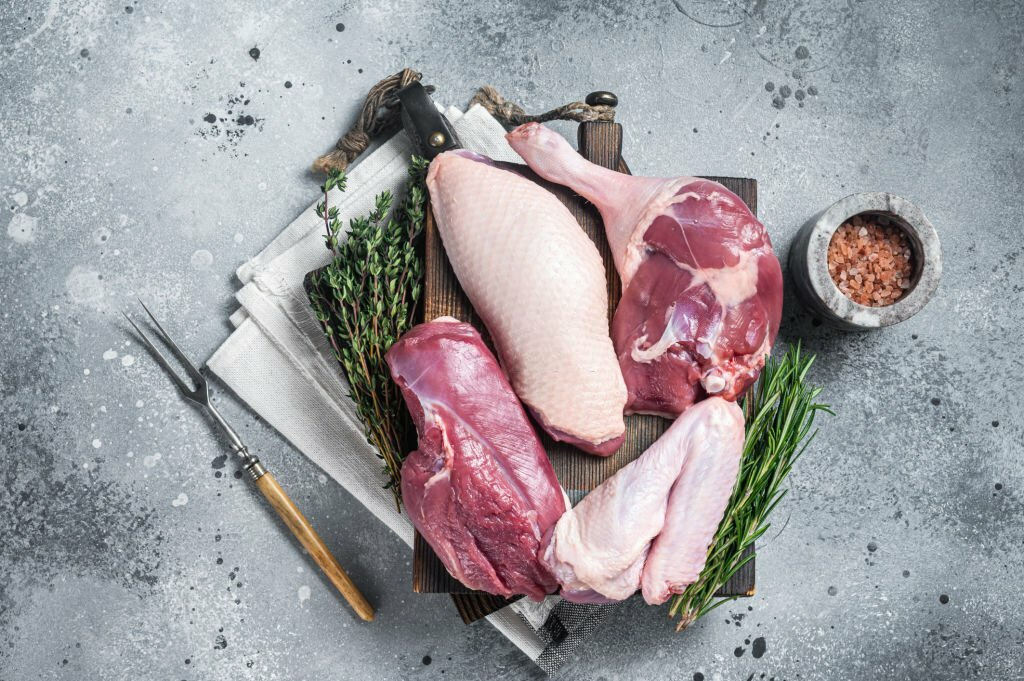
(436, 139)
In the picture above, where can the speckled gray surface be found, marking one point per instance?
(148, 148)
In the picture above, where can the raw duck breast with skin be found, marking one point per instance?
(702, 288)
(479, 488)
(650, 525)
(539, 286)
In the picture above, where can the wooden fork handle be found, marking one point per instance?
(311, 541)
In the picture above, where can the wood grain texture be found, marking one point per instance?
(311, 541)
(600, 143)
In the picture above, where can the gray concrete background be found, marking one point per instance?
(903, 537)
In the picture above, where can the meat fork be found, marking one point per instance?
(199, 393)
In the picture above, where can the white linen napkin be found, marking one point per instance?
(278, 361)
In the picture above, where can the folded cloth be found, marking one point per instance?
(278, 361)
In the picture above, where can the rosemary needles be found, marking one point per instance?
(365, 299)
(779, 413)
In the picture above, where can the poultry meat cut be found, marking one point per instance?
(479, 488)
(539, 286)
(649, 525)
(702, 288)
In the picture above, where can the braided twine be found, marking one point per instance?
(380, 115)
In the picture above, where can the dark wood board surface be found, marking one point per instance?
(577, 472)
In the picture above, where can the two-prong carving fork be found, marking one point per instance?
(199, 393)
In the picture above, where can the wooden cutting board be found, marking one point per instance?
(601, 143)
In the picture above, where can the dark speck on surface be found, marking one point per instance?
(802, 52)
(872, 547)
(339, 27)
(219, 461)
(832, 591)
(759, 647)
(999, 485)
(220, 643)
(769, 86)
(778, 102)
(739, 651)
(287, 83)
(255, 53)
(943, 599)
(128, 9)
(799, 94)
(697, 676)
(812, 91)
(785, 91)
(936, 401)
(995, 424)
(427, 659)
(906, 573)
(210, 118)
(84, 53)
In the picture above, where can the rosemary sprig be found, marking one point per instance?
(366, 298)
(779, 413)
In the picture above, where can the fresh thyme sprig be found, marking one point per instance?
(366, 298)
(779, 413)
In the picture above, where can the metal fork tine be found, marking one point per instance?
(194, 373)
(161, 360)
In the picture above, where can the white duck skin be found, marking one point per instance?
(652, 522)
(538, 284)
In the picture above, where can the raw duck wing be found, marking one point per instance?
(696, 506)
(480, 488)
(538, 284)
(600, 549)
(702, 288)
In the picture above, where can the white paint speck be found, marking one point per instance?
(180, 500)
(86, 372)
(140, 404)
(300, 569)
(21, 198)
(322, 478)
(84, 286)
(202, 259)
(304, 594)
(151, 460)
(127, 361)
(22, 228)
(239, 238)
(109, 355)
(97, 443)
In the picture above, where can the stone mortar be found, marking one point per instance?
(808, 262)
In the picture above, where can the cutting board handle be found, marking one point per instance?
(600, 142)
